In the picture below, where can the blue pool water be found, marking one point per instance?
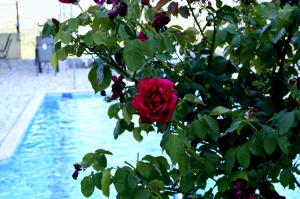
(66, 127)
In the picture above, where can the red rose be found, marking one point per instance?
(161, 19)
(142, 36)
(145, 2)
(68, 1)
(155, 101)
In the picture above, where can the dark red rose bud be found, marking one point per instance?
(75, 174)
(117, 88)
(77, 167)
(161, 19)
(122, 9)
(99, 2)
(103, 93)
(292, 81)
(298, 82)
(142, 36)
(55, 21)
(145, 2)
(68, 1)
(113, 13)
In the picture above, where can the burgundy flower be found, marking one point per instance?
(77, 168)
(155, 101)
(161, 19)
(99, 2)
(145, 2)
(55, 21)
(122, 9)
(68, 1)
(117, 88)
(113, 13)
(142, 36)
(298, 82)
(252, 112)
(242, 190)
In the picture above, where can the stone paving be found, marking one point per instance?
(19, 82)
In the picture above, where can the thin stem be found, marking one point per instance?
(212, 45)
(130, 165)
(80, 7)
(196, 21)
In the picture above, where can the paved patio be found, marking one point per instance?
(19, 82)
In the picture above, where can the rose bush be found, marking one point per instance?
(222, 87)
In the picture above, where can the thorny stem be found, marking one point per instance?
(196, 21)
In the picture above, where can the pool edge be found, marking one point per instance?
(14, 136)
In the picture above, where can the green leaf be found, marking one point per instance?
(113, 111)
(286, 177)
(174, 147)
(156, 185)
(99, 37)
(141, 194)
(120, 180)
(286, 121)
(126, 115)
(88, 159)
(100, 162)
(134, 55)
(283, 143)
(229, 160)
(220, 110)
(105, 182)
(256, 149)
(247, 52)
(184, 11)
(223, 184)
(100, 77)
(187, 182)
(235, 42)
(132, 181)
(213, 127)
(66, 37)
(73, 24)
(279, 35)
(193, 99)
(53, 60)
(137, 134)
(239, 175)
(117, 130)
(199, 128)
(87, 186)
(88, 39)
(243, 156)
(233, 126)
(270, 143)
(97, 180)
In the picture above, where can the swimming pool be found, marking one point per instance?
(65, 127)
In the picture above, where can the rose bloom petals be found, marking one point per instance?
(145, 2)
(155, 101)
(68, 1)
(142, 36)
(160, 20)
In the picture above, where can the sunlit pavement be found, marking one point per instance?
(19, 82)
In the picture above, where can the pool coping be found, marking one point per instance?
(15, 134)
